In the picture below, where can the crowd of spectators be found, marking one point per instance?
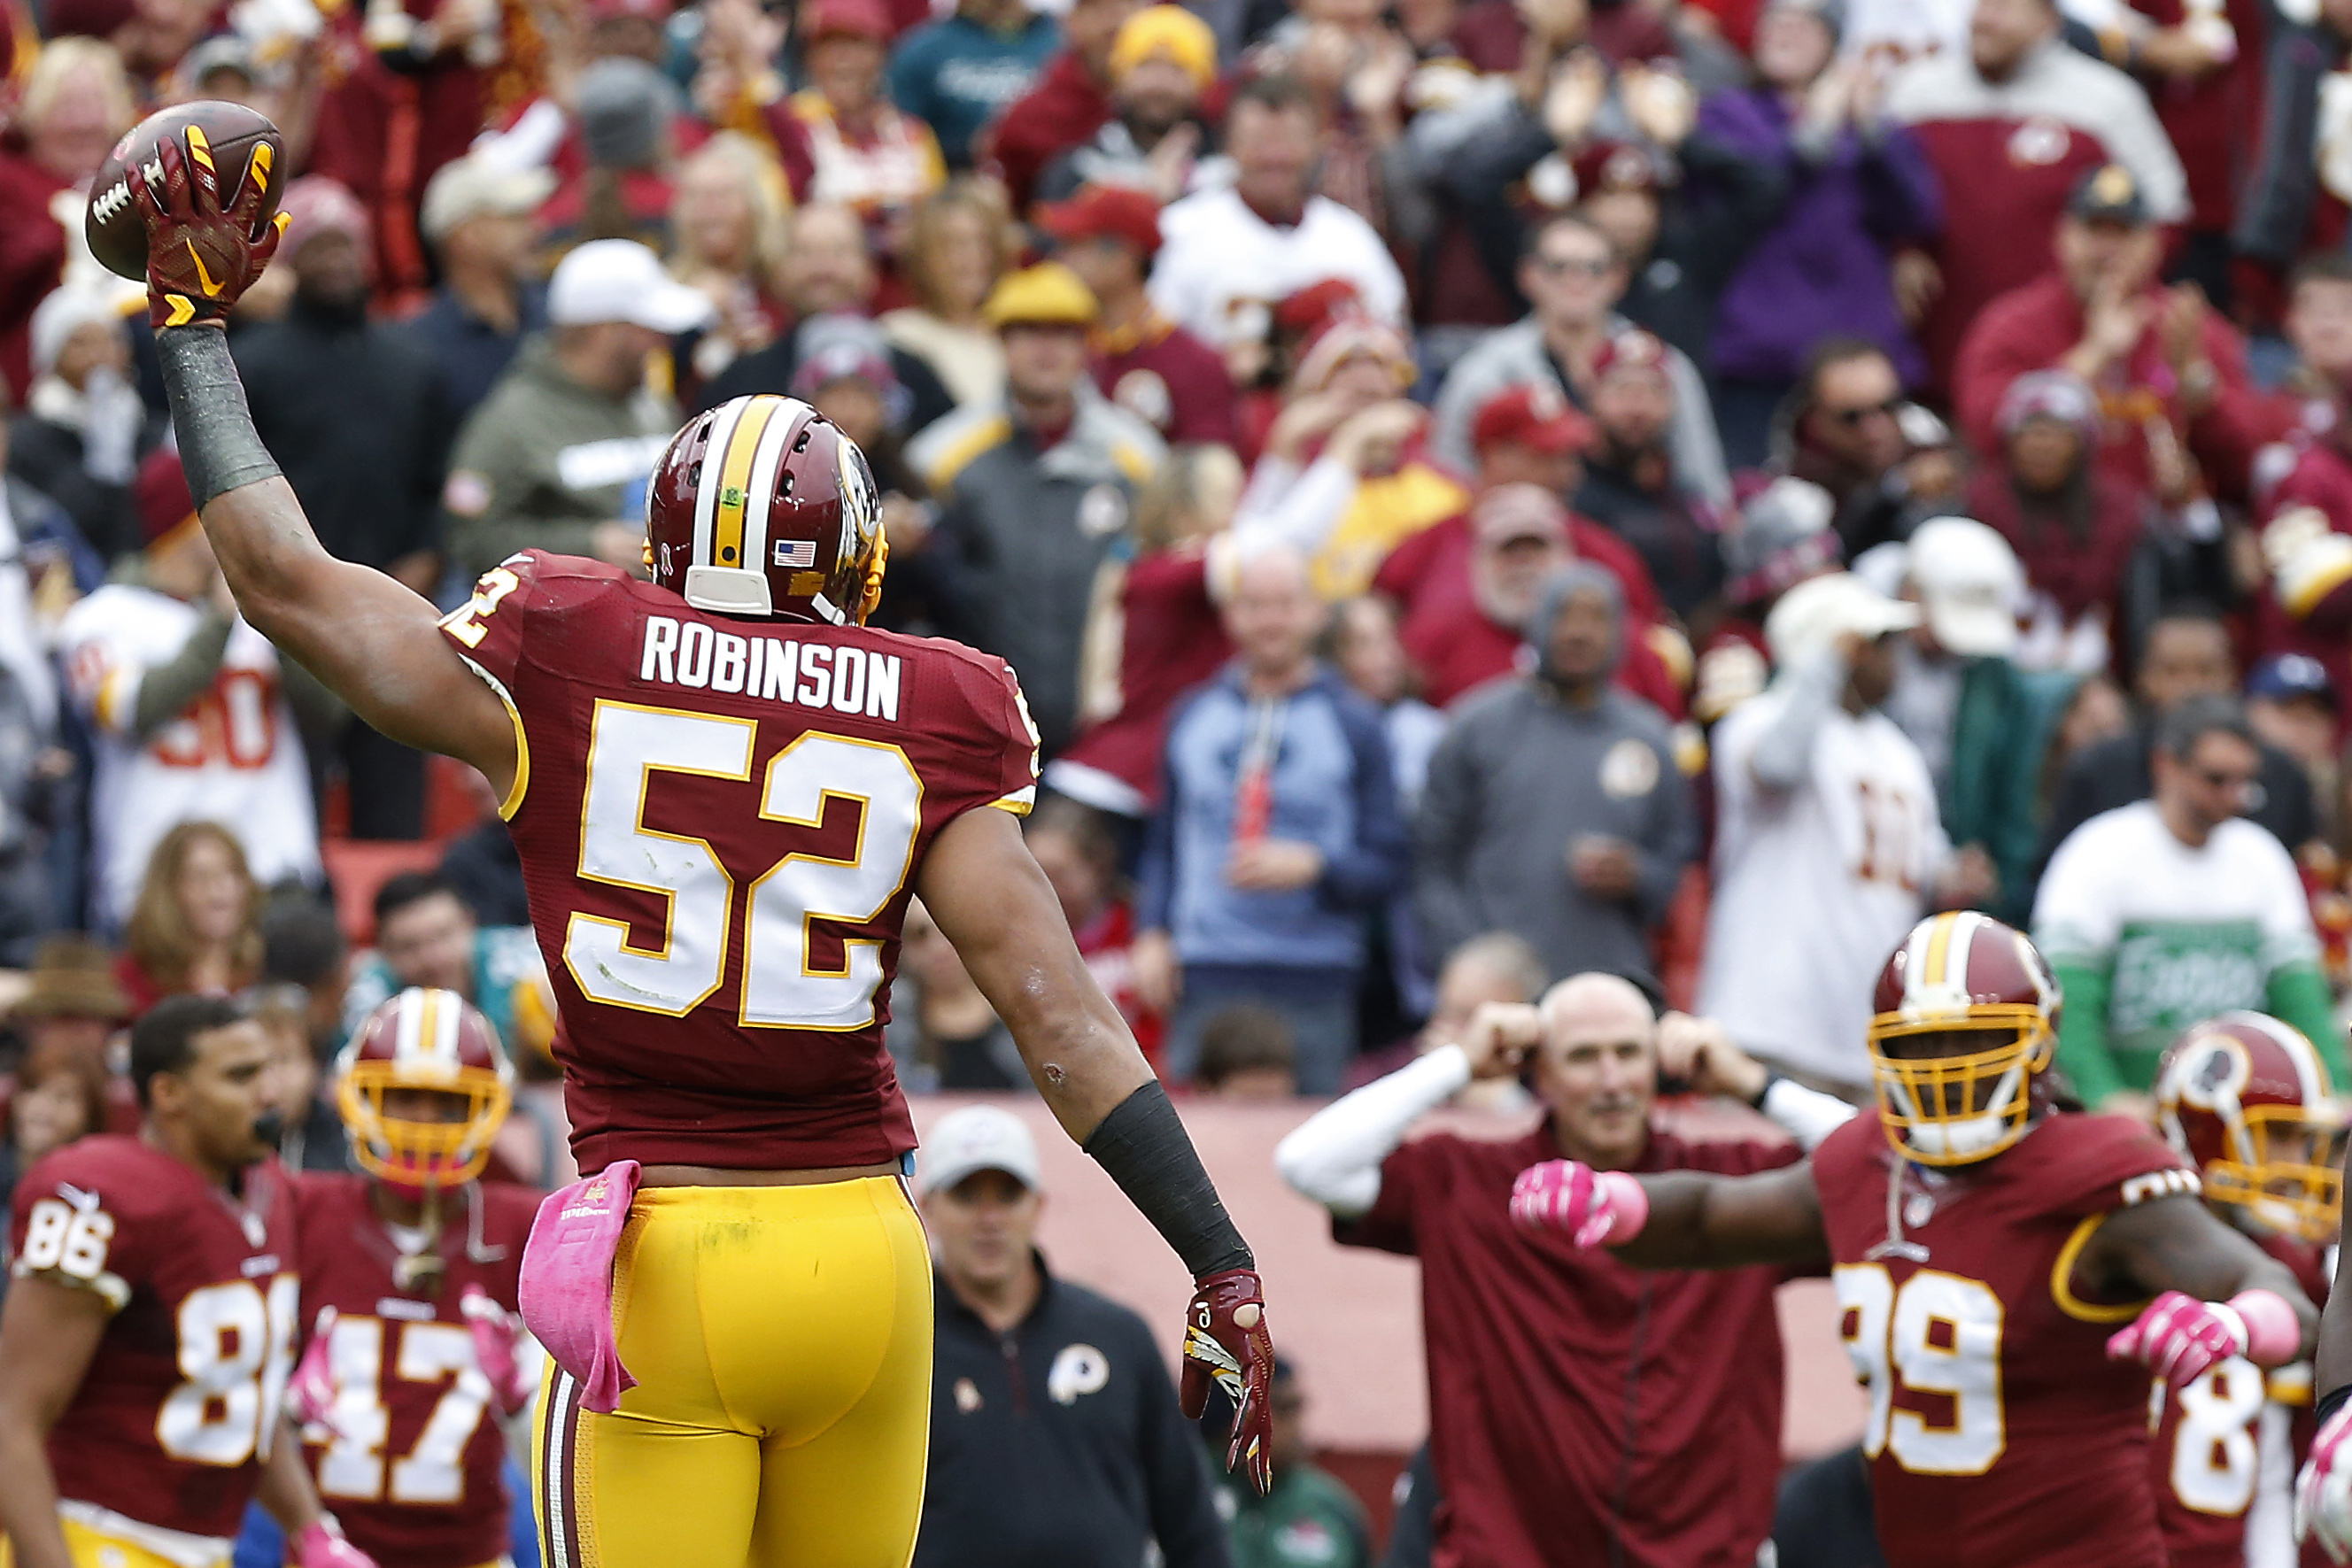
(1475, 491)
(1394, 447)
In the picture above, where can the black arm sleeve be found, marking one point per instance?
(218, 445)
(1143, 1144)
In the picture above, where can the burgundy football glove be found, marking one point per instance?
(203, 253)
(1226, 1341)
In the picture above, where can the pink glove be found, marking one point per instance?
(2180, 1338)
(2323, 1497)
(311, 1392)
(1597, 1206)
(498, 1350)
(322, 1546)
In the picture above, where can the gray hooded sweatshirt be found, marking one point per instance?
(1519, 777)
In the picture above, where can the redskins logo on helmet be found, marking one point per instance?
(763, 506)
(1966, 1019)
(2246, 1099)
(424, 1041)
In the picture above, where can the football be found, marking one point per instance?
(117, 229)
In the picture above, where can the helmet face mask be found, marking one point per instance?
(1966, 1022)
(424, 1088)
(763, 508)
(2246, 1099)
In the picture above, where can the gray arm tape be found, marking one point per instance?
(218, 447)
(1143, 1144)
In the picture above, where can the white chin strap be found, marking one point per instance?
(1968, 1136)
(727, 591)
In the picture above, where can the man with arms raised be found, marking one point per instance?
(723, 788)
(1994, 1256)
(1649, 1459)
(147, 1336)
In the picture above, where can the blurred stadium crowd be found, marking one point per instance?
(1475, 491)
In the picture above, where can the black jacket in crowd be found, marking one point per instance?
(2116, 772)
(1060, 1443)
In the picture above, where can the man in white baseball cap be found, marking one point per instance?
(1970, 584)
(1827, 835)
(558, 456)
(480, 220)
(619, 280)
(1034, 1375)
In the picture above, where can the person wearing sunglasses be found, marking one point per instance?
(2171, 910)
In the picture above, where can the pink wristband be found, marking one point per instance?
(1628, 1207)
(2273, 1334)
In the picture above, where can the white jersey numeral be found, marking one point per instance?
(236, 1350)
(1939, 1333)
(359, 1424)
(629, 745)
(2214, 1458)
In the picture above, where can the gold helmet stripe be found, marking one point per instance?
(723, 422)
(1939, 951)
(734, 472)
(766, 459)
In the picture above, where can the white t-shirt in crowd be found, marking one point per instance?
(1814, 887)
(1221, 267)
(232, 757)
(2185, 931)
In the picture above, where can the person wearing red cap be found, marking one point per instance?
(840, 138)
(1464, 588)
(1144, 362)
(1629, 484)
(189, 706)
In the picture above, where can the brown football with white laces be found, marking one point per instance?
(233, 135)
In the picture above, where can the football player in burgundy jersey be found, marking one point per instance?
(2245, 1100)
(1986, 1247)
(410, 1286)
(723, 787)
(146, 1339)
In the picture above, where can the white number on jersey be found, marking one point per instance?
(1939, 1333)
(629, 746)
(68, 1238)
(236, 1349)
(2215, 1460)
(1887, 836)
(359, 1424)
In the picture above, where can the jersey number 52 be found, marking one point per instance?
(629, 746)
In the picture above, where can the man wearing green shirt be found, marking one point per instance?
(1310, 1519)
(2163, 913)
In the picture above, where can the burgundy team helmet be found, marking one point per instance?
(764, 507)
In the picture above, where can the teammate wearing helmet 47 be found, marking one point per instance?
(2010, 1271)
(737, 1298)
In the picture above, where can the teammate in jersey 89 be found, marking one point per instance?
(416, 1352)
(145, 1343)
(2246, 1100)
(720, 927)
(1994, 1256)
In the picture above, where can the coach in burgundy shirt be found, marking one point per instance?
(1582, 1412)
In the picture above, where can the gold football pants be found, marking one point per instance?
(781, 1337)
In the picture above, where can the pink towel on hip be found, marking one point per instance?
(567, 1280)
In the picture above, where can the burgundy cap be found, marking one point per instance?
(846, 18)
(1104, 212)
(166, 504)
(1535, 415)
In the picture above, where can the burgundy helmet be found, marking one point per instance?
(763, 506)
(1965, 1020)
(2246, 1098)
(434, 1042)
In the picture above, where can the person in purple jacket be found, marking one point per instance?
(1859, 187)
